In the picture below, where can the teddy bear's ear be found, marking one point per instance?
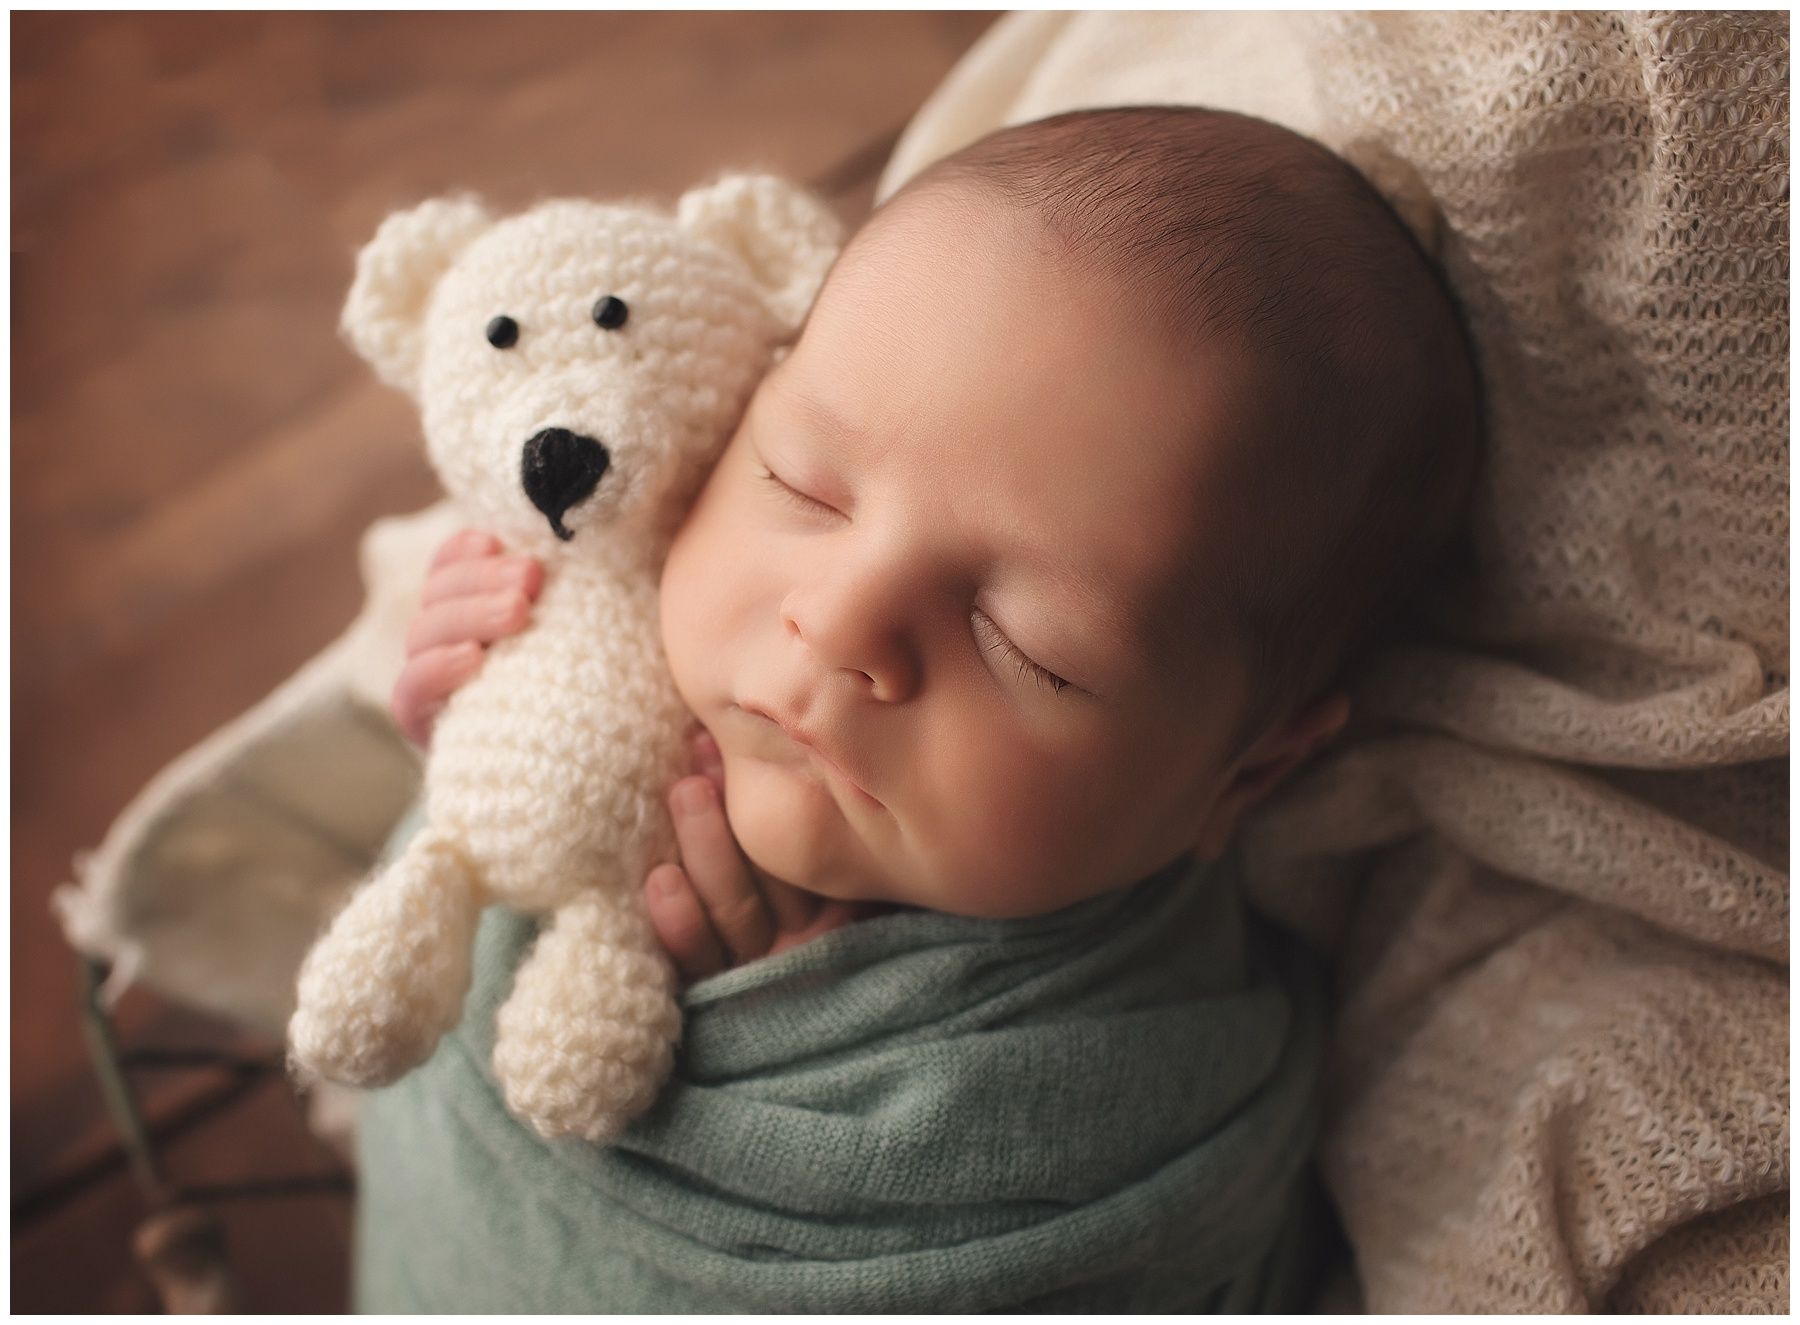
(395, 274)
(785, 235)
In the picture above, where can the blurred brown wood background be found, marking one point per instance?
(194, 454)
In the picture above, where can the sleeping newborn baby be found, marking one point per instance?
(1109, 445)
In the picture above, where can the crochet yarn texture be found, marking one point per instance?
(578, 367)
(1552, 863)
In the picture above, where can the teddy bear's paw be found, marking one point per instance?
(588, 1035)
(579, 1097)
(379, 990)
(571, 1073)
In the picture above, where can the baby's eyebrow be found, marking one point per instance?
(1183, 624)
(1126, 638)
(835, 425)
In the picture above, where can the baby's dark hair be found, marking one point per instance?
(1231, 231)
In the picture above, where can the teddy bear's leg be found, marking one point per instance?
(379, 990)
(588, 1034)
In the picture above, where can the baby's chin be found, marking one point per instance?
(790, 827)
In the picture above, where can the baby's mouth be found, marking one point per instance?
(836, 770)
(799, 737)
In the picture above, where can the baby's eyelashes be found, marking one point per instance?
(991, 640)
(793, 496)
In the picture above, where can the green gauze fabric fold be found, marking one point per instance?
(1108, 1108)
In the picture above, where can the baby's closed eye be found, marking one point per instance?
(991, 640)
(792, 495)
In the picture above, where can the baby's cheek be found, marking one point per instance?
(681, 650)
(696, 591)
(1022, 832)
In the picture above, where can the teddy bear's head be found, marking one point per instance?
(579, 366)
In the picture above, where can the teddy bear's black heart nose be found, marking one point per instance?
(558, 469)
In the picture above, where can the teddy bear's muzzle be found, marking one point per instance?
(559, 468)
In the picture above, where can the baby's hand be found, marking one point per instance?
(711, 911)
(473, 595)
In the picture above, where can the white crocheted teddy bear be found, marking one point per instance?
(579, 367)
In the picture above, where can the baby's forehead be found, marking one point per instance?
(1194, 246)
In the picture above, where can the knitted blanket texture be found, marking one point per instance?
(1551, 862)
(1108, 1108)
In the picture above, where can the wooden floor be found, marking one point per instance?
(194, 453)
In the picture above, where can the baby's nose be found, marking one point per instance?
(558, 468)
(853, 639)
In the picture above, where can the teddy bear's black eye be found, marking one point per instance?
(502, 332)
(610, 312)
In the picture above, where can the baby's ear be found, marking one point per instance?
(785, 235)
(1258, 769)
(396, 272)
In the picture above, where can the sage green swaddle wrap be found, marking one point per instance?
(1106, 1108)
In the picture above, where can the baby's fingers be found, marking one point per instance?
(474, 576)
(827, 916)
(715, 866)
(682, 928)
(704, 751)
(464, 543)
(426, 683)
(478, 620)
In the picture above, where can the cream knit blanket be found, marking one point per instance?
(1552, 866)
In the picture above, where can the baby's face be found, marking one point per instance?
(934, 603)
